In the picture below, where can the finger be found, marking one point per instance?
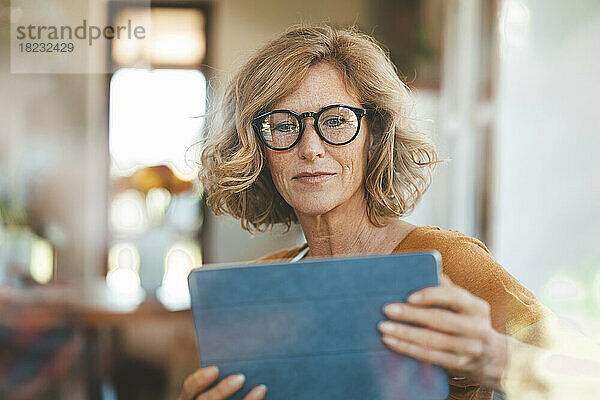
(444, 282)
(444, 359)
(435, 318)
(197, 382)
(452, 297)
(224, 389)
(428, 338)
(257, 393)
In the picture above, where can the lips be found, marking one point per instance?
(308, 174)
(313, 177)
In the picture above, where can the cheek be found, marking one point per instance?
(356, 160)
(357, 168)
(276, 164)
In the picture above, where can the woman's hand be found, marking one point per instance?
(195, 387)
(459, 336)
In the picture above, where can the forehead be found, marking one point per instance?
(323, 85)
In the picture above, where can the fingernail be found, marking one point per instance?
(210, 370)
(262, 390)
(393, 308)
(413, 298)
(386, 327)
(237, 380)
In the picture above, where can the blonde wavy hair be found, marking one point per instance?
(233, 171)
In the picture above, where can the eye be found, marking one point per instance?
(285, 127)
(334, 122)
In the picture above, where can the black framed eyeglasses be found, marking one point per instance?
(336, 124)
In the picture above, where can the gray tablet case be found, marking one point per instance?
(308, 330)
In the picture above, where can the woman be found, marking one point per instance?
(316, 129)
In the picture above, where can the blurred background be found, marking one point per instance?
(101, 218)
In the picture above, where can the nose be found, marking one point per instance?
(310, 146)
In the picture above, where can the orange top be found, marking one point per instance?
(469, 264)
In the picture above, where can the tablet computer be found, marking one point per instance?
(308, 330)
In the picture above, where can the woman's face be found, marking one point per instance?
(341, 168)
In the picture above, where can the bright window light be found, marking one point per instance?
(154, 119)
(175, 37)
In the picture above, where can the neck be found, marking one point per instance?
(347, 230)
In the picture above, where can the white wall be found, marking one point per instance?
(547, 197)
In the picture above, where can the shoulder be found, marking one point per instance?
(462, 255)
(280, 255)
(434, 238)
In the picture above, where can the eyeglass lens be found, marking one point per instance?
(337, 125)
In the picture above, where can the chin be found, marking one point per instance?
(312, 206)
